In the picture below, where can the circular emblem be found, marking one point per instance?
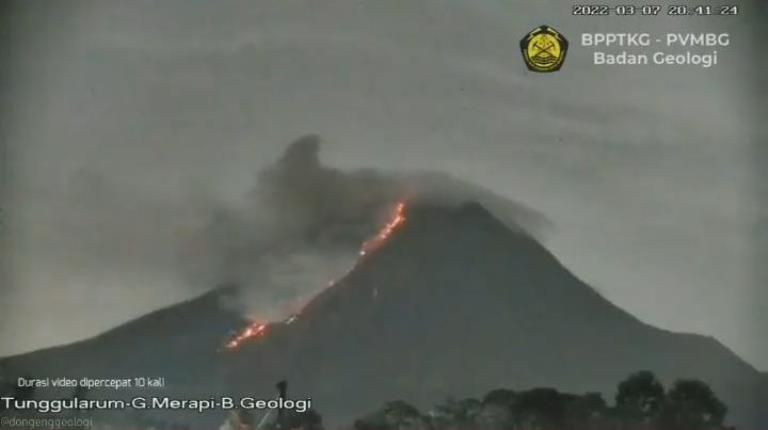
(544, 49)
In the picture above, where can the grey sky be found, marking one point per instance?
(125, 115)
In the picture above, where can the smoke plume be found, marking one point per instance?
(303, 223)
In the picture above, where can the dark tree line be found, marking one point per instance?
(641, 403)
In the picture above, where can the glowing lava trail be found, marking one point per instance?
(258, 330)
(398, 218)
(253, 331)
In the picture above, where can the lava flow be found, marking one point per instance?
(257, 330)
(253, 331)
(398, 218)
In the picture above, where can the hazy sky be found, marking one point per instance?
(123, 116)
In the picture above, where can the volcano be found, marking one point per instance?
(452, 302)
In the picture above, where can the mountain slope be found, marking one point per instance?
(451, 302)
(178, 342)
(455, 303)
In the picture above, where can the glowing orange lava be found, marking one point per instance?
(254, 331)
(258, 330)
(398, 218)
